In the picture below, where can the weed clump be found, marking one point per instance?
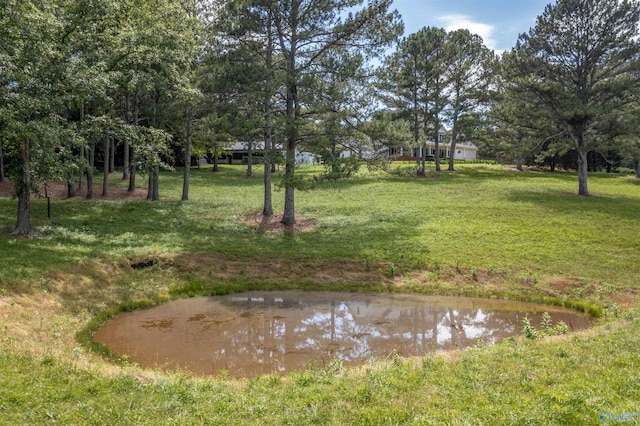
(546, 328)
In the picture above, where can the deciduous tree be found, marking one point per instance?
(33, 84)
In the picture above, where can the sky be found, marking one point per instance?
(498, 22)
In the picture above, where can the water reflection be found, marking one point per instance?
(257, 333)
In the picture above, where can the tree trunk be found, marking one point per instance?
(81, 154)
(156, 192)
(416, 133)
(125, 161)
(249, 159)
(91, 157)
(82, 157)
(23, 224)
(46, 195)
(454, 139)
(132, 178)
(125, 146)
(519, 164)
(638, 170)
(150, 185)
(289, 217)
(105, 168)
(215, 160)
(583, 172)
(2, 177)
(187, 158)
(267, 209)
(152, 188)
(71, 191)
(112, 154)
(134, 122)
(436, 155)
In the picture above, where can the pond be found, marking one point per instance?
(256, 333)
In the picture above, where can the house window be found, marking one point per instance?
(440, 137)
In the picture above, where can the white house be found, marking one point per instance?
(465, 150)
(238, 153)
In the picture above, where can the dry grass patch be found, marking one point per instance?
(212, 267)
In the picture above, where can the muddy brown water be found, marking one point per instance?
(256, 333)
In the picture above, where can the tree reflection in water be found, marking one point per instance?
(256, 333)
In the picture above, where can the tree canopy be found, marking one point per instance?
(580, 63)
(86, 82)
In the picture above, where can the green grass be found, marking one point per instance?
(479, 217)
(477, 231)
(570, 381)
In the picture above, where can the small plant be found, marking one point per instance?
(474, 274)
(427, 361)
(305, 379)
(531, 279)
(335, 366)
(546, 322)
(392, 270)
(528, 330)
(397, 359)
(561, 328)
(274, 380)
(48, 360)
(546, 328)
(511, 341)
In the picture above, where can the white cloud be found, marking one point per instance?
(455, 22)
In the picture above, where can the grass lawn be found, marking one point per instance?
(479, 231)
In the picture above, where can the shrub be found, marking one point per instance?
(546, 328)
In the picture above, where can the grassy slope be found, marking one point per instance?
(523, 234)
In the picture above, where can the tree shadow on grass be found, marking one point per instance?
(569, 203)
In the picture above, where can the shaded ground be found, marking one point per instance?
(524, 169)
(58, 191)
(273, 222)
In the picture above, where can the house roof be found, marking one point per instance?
(244, 146)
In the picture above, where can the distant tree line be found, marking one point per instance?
(86, 85)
